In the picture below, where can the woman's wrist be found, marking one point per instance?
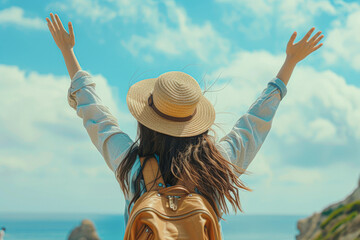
(287, 69)
(71, 62)
(291, 60)
(67, 52)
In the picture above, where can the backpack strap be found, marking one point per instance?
(188, 185)
(151, 173)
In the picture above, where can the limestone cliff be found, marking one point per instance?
(339, 221)
(86, 231)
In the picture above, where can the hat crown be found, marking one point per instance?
(176, 94)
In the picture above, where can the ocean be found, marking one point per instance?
(29, 226)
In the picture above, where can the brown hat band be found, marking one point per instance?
(176, 119)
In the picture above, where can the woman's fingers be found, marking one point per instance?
(292, 39)
(63, 39)
(56, 27)
(59, 23)
(308, 34)
(317, 40)
(314, 37)
(51, 27)
(71, 30)
(317, 47)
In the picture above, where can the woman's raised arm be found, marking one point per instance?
(297, 52)
(100, 124)
(65, 42)
(245, 139)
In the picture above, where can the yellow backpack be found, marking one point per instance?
(170, 212)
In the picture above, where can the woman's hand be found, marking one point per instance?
(298, 51)
(65, 41)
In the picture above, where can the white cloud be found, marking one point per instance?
(179, 36)
(15, 16)
(147, 12)
(86, 8)
(295, 13)
(19, 89)
(346, 6)
(105, 11)
(256, 18)
(300, 175)
(320, 107)
(322, 130)
(342, 44)
(169, 32)
(43, 143)
(296, 190)
(282, 188)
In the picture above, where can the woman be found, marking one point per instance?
(174, 126)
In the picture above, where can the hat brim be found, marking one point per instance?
(137, 101)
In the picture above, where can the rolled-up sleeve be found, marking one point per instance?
(244, 140)
(100, 124)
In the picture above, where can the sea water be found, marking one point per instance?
(30, 226)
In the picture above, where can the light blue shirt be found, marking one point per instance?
(239, 146)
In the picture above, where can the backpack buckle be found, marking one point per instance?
(173, 200)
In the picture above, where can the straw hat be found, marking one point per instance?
(172, 104)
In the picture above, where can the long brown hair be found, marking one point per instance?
(193, 159)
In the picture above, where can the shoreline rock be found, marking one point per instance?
(86, 231)
(339, 220)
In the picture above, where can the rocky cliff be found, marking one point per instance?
(339, 221)
(86, 231)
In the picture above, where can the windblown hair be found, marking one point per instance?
(194, 159)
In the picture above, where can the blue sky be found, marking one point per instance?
(309, 159)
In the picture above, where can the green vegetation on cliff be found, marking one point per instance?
(351, 207)
(331, 226)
